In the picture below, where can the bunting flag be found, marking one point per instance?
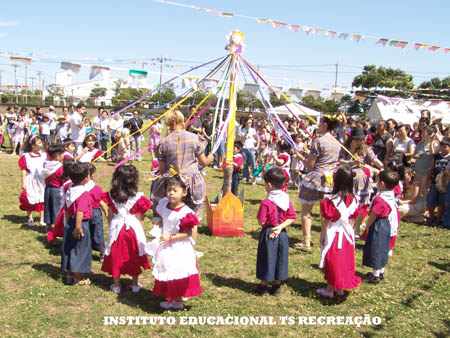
(99, 70)
(316, 31)
(297, 92)
(275, 89)
(74, 67)
(209, 84)
(295, 28)
(20, 59)
(137, 78)
(251, 88)
(382, 42)
(315, 93)
(190, 82)
(336, 96)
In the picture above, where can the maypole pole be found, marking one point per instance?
(235, 48)
(227, 217)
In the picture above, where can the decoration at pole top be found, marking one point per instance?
(236, 45)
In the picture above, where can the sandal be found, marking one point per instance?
(302, 246)
(82, 282)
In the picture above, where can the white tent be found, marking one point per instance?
(407, 111)
(299, 111)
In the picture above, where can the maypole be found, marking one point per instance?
(235, 48)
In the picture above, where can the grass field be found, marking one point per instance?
(413, 300)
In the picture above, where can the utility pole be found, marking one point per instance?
(161, 60)
(39, 73)
(32, 84)
(26, 83)
(1, 71)
(15, 82)
(335, 79)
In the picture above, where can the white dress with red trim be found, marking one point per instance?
(32, 197)
(91, 155)
(174, 263)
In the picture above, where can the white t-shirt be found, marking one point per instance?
(45, 128)
(78, 134)
(103, 124)
(116, 125)
(249, 138)
(403, 148)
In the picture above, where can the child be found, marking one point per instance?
(155, 137)
(45, 131)
(337, 239)
(411, 204)
(238, 160)
(175, 265)
(19, 135)
(90, 149)
(263, 157)
(297, 158)
(33, 185)
(62, 129)
(69, 148)
(283, 161)
(274, 215)
(52, 173)
(88, 125)
(436, 198)
(125, 251)
(76, 255)
(58, 230)
(96, 221)
(382, 224)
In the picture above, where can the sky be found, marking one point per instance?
(55, 31)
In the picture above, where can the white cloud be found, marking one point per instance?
(9, 23)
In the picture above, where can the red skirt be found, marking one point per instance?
(340, 266)
(58, 230)
(185, 287)
(392, 244)
(124, 256)
(26, 206)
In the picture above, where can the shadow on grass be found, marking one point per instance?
(308, 289)
(54, 247)
(16, 219)
(232, 283)
(444, 267)
(443, 333)
(252, 202)
(38, 229)
(373, 332)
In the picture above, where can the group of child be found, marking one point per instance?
(60, 185)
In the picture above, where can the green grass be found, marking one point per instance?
(412, 301)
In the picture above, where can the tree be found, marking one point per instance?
(324, 106)
(118, 86)
(164, 95)
(97, 92)
(384, 77)
(432, 85)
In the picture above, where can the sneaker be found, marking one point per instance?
(254, 183)
(260, 290)
(324, 293)
(215, 167)
(275, 290)
(391, 253)
(339, 293)
(115, 289)
(30, 223)
(370, 278)
(136, 288)
(42, 223)
(166, 305)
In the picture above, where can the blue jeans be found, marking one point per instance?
(136, 145)
(235, 182)
(447, 209)
(249, 160)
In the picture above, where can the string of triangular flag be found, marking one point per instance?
(316, 31)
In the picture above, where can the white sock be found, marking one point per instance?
(382, 270)
(376, 272)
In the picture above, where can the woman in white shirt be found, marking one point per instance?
(403, 145)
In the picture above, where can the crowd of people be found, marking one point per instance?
(365, 177)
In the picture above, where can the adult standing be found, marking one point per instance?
(10, 125)
(323, 159)
(77, 127)
(135, 125)
(362, 184)
(382, 143)
(184, 152)
(96, 123)
(404, 147)
(207, 130)
(102, 129)
(250, 140)
(115, 126)
(52, 117)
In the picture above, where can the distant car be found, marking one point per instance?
(128, 116)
